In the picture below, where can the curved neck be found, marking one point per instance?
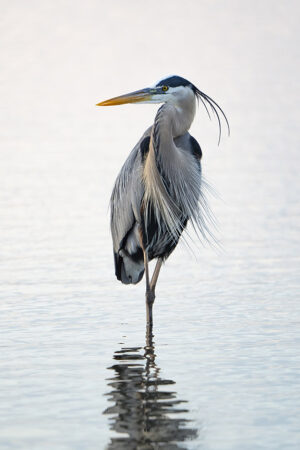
(175, 119)
(171, 121)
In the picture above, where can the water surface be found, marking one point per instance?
(222, 371)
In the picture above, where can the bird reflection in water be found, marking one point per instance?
(143, 408)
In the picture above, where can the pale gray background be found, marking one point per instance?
(226, 322)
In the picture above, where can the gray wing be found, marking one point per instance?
(125, 205)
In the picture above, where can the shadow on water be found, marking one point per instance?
(143, 407)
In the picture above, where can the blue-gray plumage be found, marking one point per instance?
(159, 188)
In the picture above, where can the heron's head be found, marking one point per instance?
(173, 89)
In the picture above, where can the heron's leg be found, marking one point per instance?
(149, 294)
(146, 265)
(155, 275)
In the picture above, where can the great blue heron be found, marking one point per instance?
(159, 188)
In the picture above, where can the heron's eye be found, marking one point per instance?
(165, 88)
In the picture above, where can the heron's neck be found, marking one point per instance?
(171, 121)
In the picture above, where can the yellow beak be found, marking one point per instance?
(143, 95)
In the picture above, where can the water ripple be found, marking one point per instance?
(143, 403)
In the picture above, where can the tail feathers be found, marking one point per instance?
(129, 268)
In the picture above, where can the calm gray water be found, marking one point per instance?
(222, 370)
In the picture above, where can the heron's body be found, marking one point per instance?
(159, 188)
(159, 237)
